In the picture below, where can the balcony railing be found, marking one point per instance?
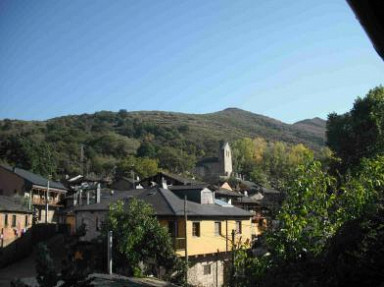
(179, 243)
(41, 201)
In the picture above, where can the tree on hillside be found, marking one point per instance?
(147, 149)
(38, 157)
(132, 224)
(360, 132)
(269, 163)
(243, 153)
(144, 167)
(176, 160)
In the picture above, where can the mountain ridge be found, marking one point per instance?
(111, 136)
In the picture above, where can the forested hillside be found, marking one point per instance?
(96, 143)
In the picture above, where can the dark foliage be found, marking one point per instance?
(359, 133)
(353, 257)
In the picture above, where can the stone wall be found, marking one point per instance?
(209, 271)
(92, 221)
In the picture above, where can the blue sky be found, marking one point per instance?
(288, 61)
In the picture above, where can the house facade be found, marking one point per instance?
(44, 196)
(15, 220)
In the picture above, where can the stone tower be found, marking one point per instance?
(226, 159)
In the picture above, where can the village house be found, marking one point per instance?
(15, 220)
(208, 229)
(44, 196)
(226, 193)
(82, 190)
(124, 183)
(262, 202)
(222, 195)
(163, 178)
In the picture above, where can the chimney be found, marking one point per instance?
(80, 197)
(164, 183)
(98, 193)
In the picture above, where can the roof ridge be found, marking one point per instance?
(166, 199)
(33, 178)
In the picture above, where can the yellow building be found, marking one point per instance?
(207, 240)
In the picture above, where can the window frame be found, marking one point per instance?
(238, 227)
(207, 269)
(6, 220)
(196, 229)
(172, 228)
(14, 220)
(218, 231)
(97, 224)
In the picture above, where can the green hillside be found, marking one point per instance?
(96, 142)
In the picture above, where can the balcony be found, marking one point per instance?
(41, 201)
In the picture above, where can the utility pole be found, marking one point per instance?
(186, 240)
(133, 178)
(226, 236)
(30, 200)
(46, 201)
(233, 259)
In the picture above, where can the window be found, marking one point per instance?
(26, 221)
(98, 224)
(217, 228)
(196, 229)
(13, 220)
(172, 228)
(6, 220)
(238, 227)
(207, 269)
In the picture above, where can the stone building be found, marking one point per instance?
(15, 220)
(40, 195)
(213, 168)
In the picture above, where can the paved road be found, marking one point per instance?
(26, 267)
(20, 269)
